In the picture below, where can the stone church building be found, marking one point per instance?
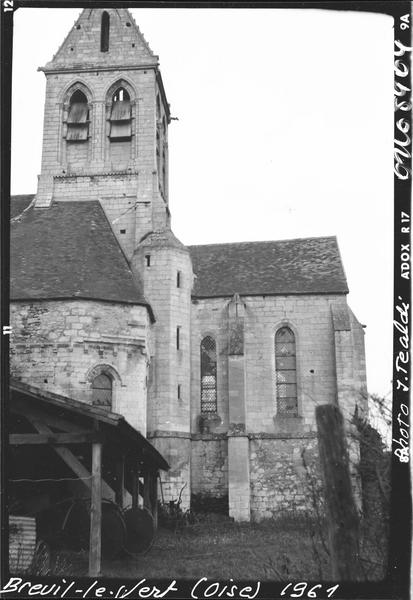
(217, 353)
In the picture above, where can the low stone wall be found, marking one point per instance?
(209, 466)
(283, 476)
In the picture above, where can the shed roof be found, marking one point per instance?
(114, 423)
(298, 266)
(68, 251)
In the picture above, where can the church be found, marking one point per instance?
(217, 354)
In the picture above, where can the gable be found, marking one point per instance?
(69, 251)
(82, 47)
(301, 266)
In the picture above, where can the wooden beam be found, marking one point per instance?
(37, 414)
(70, 459)
(20, 439)
(120, 481)
(96, 512)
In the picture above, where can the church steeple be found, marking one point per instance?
(106, 125)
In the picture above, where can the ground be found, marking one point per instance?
(216, 547)
(286, 549)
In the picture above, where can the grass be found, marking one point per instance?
(286, 549)
(218, 548)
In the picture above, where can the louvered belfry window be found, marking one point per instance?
(285, 372)
(102, 391)
(208, 375)
(78, 118)
(120, 117)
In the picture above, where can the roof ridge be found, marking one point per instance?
(323, 237)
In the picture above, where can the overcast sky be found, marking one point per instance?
(285, 130)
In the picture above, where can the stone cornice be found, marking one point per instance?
(94, 68)
(91, 175)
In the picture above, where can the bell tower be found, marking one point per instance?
(106, 125)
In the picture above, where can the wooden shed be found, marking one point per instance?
(55, 439)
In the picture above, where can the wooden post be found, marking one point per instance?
(154, 497)
(147, 490)
(120, 481)
(340, 507)
(135, 489)
(95, 512)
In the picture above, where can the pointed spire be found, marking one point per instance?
(103, 39)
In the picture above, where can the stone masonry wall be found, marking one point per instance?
(278, 477)
(281, 481)
(209, 317)
(209, 466)
(57, 344)
(310, 319)
(175, 483)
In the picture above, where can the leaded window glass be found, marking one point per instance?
(286, 372)
(208, 375)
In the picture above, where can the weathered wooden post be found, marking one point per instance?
(154, 497)
(95, 512)
(135, 489)
(120, 481)
(340, 507)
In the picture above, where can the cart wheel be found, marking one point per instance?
(140, 529)
(42, 559)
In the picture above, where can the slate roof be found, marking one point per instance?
(19, 204)
(300, 266)
(68, 251)
(162, 239)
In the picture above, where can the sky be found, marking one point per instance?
(284, 130)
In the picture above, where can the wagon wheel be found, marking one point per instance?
(140, 530)
(113, 530)
(42, 559)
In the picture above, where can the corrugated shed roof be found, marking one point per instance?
(300, 266)
(69, 251)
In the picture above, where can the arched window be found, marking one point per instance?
(208, 375)
(102, 391)
(104, 32)
(285, 372)
(78, 118)
(120, 116)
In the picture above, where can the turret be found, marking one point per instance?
(166, 271)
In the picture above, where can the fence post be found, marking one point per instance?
(341, 510)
